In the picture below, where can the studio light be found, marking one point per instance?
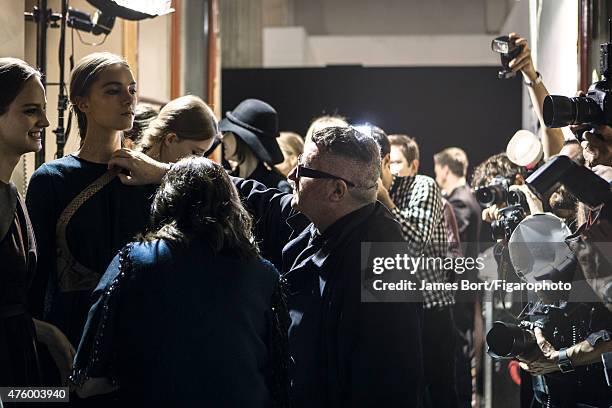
(100, 22)
(133, 9)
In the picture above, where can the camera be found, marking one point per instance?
(563, 325)
(496, 193)
(592, 109)
(508, 51)
(509, 218)
(585, 185)
(499, 193)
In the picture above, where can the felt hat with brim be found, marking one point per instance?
(256, 123)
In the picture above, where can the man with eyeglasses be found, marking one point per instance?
(346, 352)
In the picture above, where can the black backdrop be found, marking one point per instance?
(467, 107)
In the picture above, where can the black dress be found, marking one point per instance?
(18, 359)
(82, 215)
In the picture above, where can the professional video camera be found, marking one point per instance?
(563, 325)
(594, 108)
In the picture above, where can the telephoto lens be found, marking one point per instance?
(561, 111)
(507, 340)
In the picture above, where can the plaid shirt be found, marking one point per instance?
(420, 212)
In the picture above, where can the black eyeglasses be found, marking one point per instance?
(302, 171)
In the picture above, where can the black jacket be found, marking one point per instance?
(468, 214)
(347, 353)
(183, 327)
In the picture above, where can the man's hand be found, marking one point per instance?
(523, 62)
(546, 358)
(534, 203)
(383, 196)
(490, 214)
(605, 172)
(142, 168)
(597, 146)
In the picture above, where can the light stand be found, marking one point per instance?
(102, 23)
(62, 100)
(43, 17)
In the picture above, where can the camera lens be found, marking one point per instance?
(507, 340)
(492, 194)
(560, 111)
(485, 196)
(517, 197)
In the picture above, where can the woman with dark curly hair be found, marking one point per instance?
(191, 314)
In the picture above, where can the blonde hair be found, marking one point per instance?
(292, 146)
(189, 117)
(291, 141)
(82, 77)
(323, 122)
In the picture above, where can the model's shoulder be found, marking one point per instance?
(148, 252)
(57, 167)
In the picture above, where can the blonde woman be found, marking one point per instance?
(292, 145)
(185, 126)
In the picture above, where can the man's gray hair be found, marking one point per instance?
(360, 151)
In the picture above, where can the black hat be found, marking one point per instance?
(256, 123)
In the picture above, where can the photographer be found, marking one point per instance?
(552, 140)
(569, 344)
(593, 255)
(500, 169)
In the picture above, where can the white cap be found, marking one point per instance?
(524, 148)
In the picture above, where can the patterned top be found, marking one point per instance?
(420, 212)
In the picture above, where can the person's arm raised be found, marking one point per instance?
(552, 141)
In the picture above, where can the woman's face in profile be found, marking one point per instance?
(290, 160)
(229, 146)
(110, 102)
(176, 148)
(22, 123)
